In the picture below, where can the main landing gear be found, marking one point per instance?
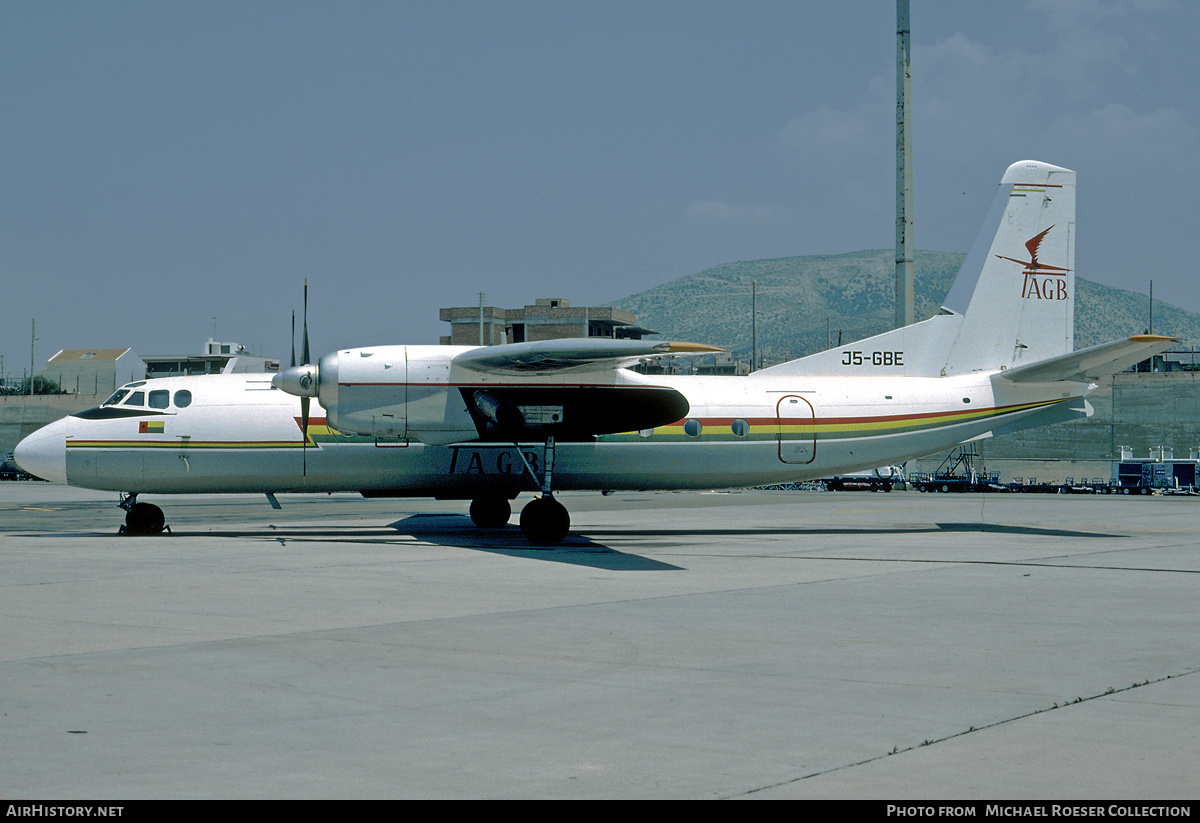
(142, 518)
(543, 520)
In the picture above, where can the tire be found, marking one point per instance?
(490, 512)
(144, 518)
(545, 521)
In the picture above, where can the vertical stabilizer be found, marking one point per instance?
(1016, 288)
(1012, 304)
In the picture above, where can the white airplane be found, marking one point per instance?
(486, 423)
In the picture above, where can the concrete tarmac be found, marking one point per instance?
(748, 645)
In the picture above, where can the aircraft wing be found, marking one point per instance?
(545, 356)
(502, 411)
(1088, 365)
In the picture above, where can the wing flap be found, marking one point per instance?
(1088, 365)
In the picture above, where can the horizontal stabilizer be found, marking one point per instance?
(542, 356)
(1088, 365)
(1076, 408)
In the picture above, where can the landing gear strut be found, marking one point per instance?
(142, 518)
(544, 520)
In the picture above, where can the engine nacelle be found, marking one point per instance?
(398, 392)
(394, 392)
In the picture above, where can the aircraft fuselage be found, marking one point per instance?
(238, 434)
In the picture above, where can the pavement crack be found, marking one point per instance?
(897, 750)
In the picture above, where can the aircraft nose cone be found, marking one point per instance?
(44, 453)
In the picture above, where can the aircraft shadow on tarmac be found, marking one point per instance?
(449, 530)
(582, 549)
(576, 549)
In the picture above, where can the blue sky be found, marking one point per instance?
(171, 168)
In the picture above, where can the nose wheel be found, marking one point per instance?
(142, 518)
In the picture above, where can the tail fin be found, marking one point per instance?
(1016, 288)
(1013, 302)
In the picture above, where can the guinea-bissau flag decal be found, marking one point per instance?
(150, 427)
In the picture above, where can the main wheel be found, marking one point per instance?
(144, 518)
(545, 520)
(490, 512)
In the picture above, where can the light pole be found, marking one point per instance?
(32, 340)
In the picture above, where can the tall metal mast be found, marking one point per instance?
(904, 221)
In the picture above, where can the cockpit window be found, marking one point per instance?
(183, 398)
(116, 397)
(160, 399)
(138, 398)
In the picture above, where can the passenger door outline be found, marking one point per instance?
(794, 425)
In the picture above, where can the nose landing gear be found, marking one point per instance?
(142, 518)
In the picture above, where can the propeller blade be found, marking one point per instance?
(293, 338)
(304, 350)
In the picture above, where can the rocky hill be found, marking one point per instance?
(806, 304)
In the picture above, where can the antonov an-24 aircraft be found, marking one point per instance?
(484, 424)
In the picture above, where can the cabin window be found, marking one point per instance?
(138, 398)
(692, 428)
(740, 427)
(160, 399)
(183, 398)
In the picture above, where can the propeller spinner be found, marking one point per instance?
(300, 381)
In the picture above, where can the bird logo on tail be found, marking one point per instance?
(1054, 284)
